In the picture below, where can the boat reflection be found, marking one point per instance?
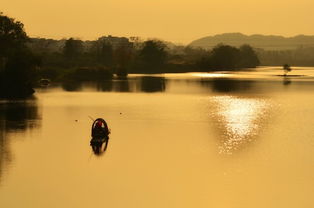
(99, 147)
(239, 120)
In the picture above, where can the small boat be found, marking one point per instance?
(44, 82)
(100, 132)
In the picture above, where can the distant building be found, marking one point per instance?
(116, 42)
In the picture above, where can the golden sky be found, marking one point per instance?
(179, 21)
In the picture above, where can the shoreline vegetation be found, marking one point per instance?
(25, 61)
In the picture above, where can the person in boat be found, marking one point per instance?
(100, 129)
(99, 125)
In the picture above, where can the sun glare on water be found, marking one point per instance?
(239, 119)
(211, 75)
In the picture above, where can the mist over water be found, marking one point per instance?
(177, 140)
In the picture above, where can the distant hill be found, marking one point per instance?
(267, 42)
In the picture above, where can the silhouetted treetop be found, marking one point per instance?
(225, 57)
(73, 48)
(153, 54)
(12, 34)
(105, 52)
(248, 56)
(17, 62)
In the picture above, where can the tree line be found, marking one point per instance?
(122, 55)
(302, 56)
(24, 60)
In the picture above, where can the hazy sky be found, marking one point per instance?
(180, 21)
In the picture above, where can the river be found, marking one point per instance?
(227, 139)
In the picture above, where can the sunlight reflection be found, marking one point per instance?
(211, 75)
(240, 119)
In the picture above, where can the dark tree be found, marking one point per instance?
(17, 63)
(153, 55)
(12, 35)
(106, 54)
(123, 58)
(225, 57)
(248, 57)
(102, 52)
(73, 48)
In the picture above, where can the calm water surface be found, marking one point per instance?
(220, 140)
